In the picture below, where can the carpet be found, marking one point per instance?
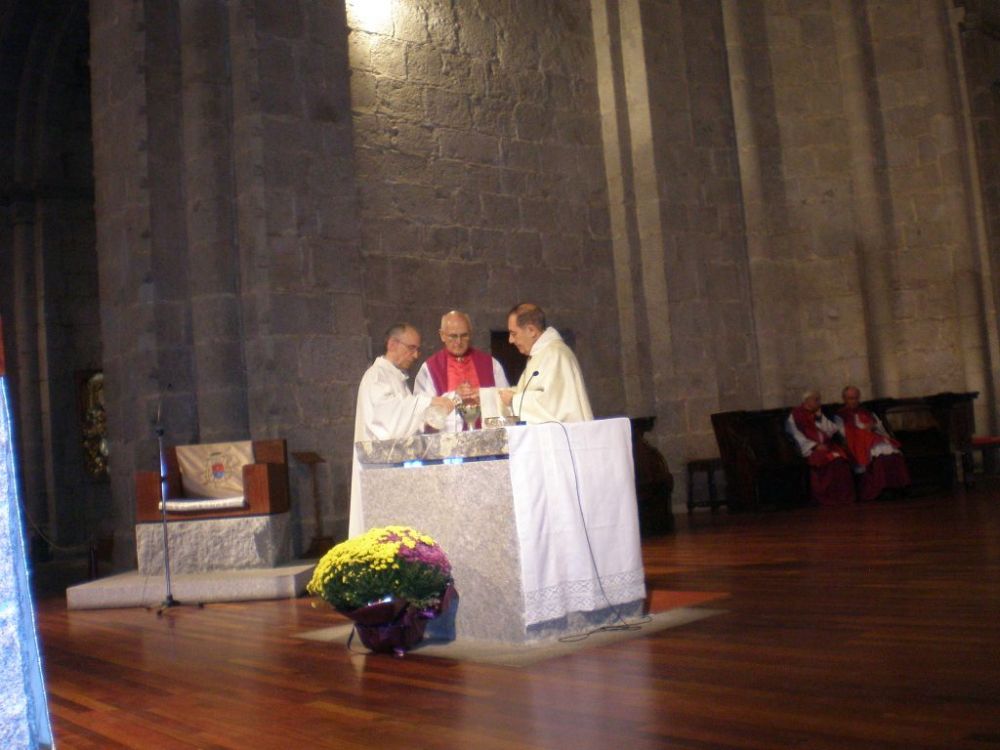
(668, 609)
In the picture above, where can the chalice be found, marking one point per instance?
(469, 410)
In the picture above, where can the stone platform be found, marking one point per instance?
(206, 544)
(135, 590)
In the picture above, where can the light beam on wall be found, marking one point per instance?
(374, 16)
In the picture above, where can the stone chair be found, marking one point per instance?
(227, 507)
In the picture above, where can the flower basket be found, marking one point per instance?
(389, 581)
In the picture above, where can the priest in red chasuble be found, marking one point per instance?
(460, 370)
(875, 454)
(830, 478)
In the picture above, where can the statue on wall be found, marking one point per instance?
(94, 425)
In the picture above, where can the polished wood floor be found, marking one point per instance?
(876, 626)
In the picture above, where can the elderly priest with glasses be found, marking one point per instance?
(386, 408)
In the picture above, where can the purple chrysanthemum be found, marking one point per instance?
(427, 555)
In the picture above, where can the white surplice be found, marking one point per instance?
(557, 392)
(385, 409)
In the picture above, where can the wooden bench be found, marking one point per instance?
(989, 446)
(763, 467)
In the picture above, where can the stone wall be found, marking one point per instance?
(480, 171)
(688, 335)
(303, 284)
(725, 202)
(223, 156)
(979, 40)
(122, 206)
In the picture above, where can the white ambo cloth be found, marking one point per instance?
(557, 570)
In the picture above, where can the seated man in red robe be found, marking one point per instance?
(459, 370)
(830, 479)
(874, 453)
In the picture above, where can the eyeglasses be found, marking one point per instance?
(457, 336)
(411, 348)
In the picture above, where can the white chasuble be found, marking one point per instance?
(557, 392)
(385, 409)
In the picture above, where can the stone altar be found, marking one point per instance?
(523, 563)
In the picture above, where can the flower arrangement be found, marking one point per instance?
(389, 563)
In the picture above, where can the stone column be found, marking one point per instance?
(25, 324)
(646, 186)
(974, 307)
(213, 260)
(752, 186)
(874, 240)
(616, 137)
(981, 247)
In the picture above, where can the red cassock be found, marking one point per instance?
(830, 478)
(884, 471)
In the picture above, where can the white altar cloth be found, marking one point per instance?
(541, 527)
(558, 552)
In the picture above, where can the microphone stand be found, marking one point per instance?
(168, 600)
(520, 404)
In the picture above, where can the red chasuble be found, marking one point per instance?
(830, 478)
(887, 472)
(861, 441)
(805, 421)
(448, 372)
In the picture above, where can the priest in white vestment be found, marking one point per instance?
(551, 387)
(386, 408)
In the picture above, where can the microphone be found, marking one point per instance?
(521, 402)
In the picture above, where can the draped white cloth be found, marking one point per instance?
(385, 409)
(557, 392)
(577, 519)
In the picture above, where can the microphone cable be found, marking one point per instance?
(622, 624)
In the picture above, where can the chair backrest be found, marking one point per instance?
(214, 469)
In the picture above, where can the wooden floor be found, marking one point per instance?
(876, 626)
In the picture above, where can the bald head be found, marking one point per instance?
(852, 396)
(456, 332)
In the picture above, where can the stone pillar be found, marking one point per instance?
(213, 261)
(766, 309)
(48, 382)
(652, 244)
(25, 324)
(976, 318)
(616, 135)
(980, 251)
(119, 64)
(677, 222)
(874, 229)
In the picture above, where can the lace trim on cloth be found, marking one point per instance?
(583, 596)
